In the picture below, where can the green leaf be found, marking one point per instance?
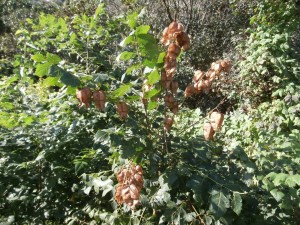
(152, 93)
(278, 195)
(143, 29)
(236, 203)
(42, 69)
(126, 56)
(51, 81)
(55, 71)
(148, 46)
(152, 105)
(126, 41)
(6, 105)
(38, 57)
(279, 179)
(71, 90)
(132, 20)
(218, 203)
(153, 77)
(70, 80)
(161, 58)
(53, 59)
(296, 178)
(290, 181)
(121, 91)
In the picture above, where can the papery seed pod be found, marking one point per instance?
(169, 100)
(201, 86)
(174, 49)
(173, 27)
(120, 177)
(216, 120)
(207, 87)
(211, 75)
(165, 80)
(216, 66)
(99, 99)
(138, 178)
(168, 123)
(122, 109)
(125, 190)
(84, 95)
(189, 91)
(165, 38)
(129, 201)
(166, 31)
(139, 169)
(118, 195)
(198, 75)
(169, 62)
(183, 40)
(175, 108)
(180, 27)
(226, 65)
(134, 192)
(174, 87)
(208, 131)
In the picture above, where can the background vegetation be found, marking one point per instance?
(58, 161)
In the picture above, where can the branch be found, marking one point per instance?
(168, 10)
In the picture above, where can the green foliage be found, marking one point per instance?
(58, 162)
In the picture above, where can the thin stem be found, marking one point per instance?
(168, 10)
(198, 215)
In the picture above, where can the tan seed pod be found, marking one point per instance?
(120, 177)
(198, 75)
(173, 27)
(99, 99)
(183, 40)
(138, 178)
(174, 87)
(168, 123)
(189, 91)
(175, 108)
(134, 192)
(216, 66)
(169, 100)
(216, 120)
(139, 169)
(208, 131)
(226, 65)
(122, 109)
(174, 49)
(211, 75)
(118, 195)
(84, 96)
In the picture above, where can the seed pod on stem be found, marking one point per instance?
(174, 87)
(168, 123)
(208, 131)
(216, 120)
(84, 96)
(189, 91)
(99, 99)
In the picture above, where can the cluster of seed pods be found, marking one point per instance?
(85, 95)
(130, 183)
(176, 39)
(202, 81)
(213, 125)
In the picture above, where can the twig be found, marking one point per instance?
(220, 103)
(168, 10)
(198, 215)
